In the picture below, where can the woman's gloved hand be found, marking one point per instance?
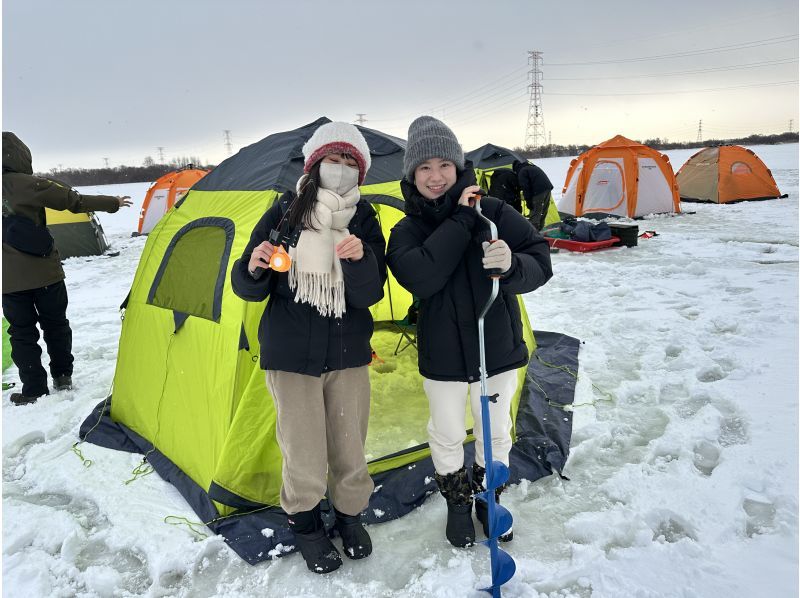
(496, 255)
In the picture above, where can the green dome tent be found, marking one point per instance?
(76, 235)
(488, 158)
(188, 391)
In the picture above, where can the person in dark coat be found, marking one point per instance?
(440, 252)
(504, 185)
(536, 189)
(33, 279)
(315, 337)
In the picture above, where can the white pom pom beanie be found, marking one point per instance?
(338, 138)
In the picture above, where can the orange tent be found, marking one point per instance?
(163, 194)
(724, 174)
(620, 177)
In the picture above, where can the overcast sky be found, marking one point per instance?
(89, 80)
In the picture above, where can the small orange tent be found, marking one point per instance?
(163, 194)
(725, 174)
(620, 177)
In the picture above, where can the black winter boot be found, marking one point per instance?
(17, 398)
(317, 549)
(481, 508)
(456, 490)
(63, 382)
(355, 539)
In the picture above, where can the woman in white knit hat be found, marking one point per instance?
(440, 252)
(315, 335)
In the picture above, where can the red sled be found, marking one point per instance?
(582, 246)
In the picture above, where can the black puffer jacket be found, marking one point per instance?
(532, 179)
(294, 337)
(436, 253)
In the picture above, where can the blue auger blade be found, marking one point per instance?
(484, 495)
(502, 521)
(496, 475)
(503, 569)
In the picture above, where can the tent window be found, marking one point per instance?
(191, 276)
(740, 168)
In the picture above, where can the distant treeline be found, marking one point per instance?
(150, 171)
(549, 151)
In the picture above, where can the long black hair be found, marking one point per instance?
(302, 206)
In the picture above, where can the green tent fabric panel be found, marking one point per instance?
(141, 368)
(190, 278)
(530, 341)
(175, 388)
(248, 360)
(6, 346)
(396, 300)
(398, 416)
(194, 412)
(552, 216)
(77, 239)
(250, 461)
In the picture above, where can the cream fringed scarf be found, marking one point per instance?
(316, 272)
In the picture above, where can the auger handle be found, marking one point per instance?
(493, 273)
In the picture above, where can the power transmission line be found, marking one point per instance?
(691, 72)
(670, 92)
(228, 146)
(361, 120)
(741, 46)
(475, 92)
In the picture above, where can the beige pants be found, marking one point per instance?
(447, 425)
(321, 431)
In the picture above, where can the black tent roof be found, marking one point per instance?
(276, 162)
(491, 156)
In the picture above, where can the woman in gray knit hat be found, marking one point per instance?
(440, 252)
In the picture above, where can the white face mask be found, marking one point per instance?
(338, 178)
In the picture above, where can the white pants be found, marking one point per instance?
(447, 424)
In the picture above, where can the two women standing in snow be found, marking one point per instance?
(440, 252)
(317, 369)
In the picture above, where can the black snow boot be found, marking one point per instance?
(481, 508)
(355, 539)
(63, 382)
(17, 398)
(456, 490)
(317, 549)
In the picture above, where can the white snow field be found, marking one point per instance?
(683, 469)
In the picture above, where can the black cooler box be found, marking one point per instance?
(628, 234)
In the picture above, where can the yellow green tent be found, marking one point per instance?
(188, 390)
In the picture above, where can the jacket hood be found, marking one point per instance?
(16, 155)
(416, 204)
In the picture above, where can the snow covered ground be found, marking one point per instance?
(684, 464)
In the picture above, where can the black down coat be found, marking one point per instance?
(294, 337)
(435, 252)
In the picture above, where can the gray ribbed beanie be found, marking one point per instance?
(430, 138)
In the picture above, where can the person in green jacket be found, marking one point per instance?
(33, 279)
